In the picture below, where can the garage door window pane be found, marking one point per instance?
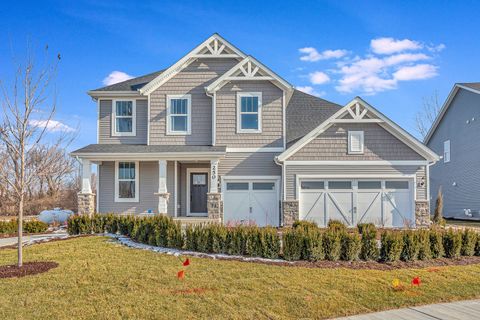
(369, 185)
(396, 184)
(237, 186)
(308, 185)
(263, 186)
(340, 185)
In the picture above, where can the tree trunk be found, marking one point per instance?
(20, 231)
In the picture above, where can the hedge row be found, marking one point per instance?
(305, 241)
(33, 226)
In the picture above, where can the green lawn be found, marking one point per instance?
(108, 281)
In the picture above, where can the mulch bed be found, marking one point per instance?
(28, 269)
(373, 265)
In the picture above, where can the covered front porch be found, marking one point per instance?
(181, 184)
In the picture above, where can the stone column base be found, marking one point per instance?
(290, 212)
(86, 203)
(422, 214)
(215, 206)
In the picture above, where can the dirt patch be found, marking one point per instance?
(193, 291)
(28, 269)
(373, 265)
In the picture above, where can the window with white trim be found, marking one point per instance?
(123, 118)
(249, 112)
(355, 142)
(446, 151)
(126, 181)
(179, 114)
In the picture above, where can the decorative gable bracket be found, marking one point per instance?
(356, 113)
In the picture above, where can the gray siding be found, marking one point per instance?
(272, 115)
(293, 170)
(148, 180)
(148, 183)
(191, 80)
(105, 124)
(464, 166)
(333, 145)
(249, 164)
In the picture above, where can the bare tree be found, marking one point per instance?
(426, 116)
(29, 96)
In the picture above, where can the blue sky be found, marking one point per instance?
(391, 53)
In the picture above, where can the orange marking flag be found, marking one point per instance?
(181, 274)
(186, 263)
(416, 281)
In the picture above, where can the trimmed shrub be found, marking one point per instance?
(304, 224)
(350, 246)
(438, 213)
(236, 240)
(34, 226)
(477, 246)
(293, 243)
(469, 240)
(9, 227)
(391, 246)
(270, 243)
(411, 246)
(424, 251)
(336, 225)
(363, 226)
(436, 243)
(452, 243)
(332, 244)
(369, 249)
(313, 245)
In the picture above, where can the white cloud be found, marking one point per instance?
(311, 90)
(416, 72)
(437, 48)
(391, 45)
(115, 77)
(51, 125)
(311, 54)
(318, 77)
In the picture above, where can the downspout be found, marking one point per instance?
(214, 115)
(284, 187)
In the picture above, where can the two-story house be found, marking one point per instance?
(454, 135)
(219, 135)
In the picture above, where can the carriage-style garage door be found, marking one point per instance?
(251, 200)
(388, 202)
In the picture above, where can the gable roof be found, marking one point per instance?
(469, 86)
(382, 120)
(221, 49)
(304, 113)
(249, 69)
(133, 84)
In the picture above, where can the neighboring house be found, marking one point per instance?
(455, 134)
(218, 135)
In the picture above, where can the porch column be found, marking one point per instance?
(214, 199)
(163, 195)
(85, 198)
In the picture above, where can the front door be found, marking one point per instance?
(198, 193)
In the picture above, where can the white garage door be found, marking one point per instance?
(386, 203)
(246, 201)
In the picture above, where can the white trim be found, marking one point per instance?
(214, 118)
(98, 120)
(148, 120)
(241, 95)
(357, 121)
(362, 142)
(97, 188)
(188, 181)
(249, 75)
(284, 120)
(357, 163)
(444, 109)
(114, 94)
(213, 176)
(169, 131)
(187, 59)
(151, 156)
(137, 183)
(261, 149)
(133, 116)
(284, 183)
(387, 124)
(175, 195)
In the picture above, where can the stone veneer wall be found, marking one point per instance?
(422, 213)
(215, 206)
(290, 212)
(86, 203)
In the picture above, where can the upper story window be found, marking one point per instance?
(355, 142)
(446, 151)
(126, 182)
(123, 117)
(249, 112)
(179, 114)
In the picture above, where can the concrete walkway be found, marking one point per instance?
(30, 239)
(462, 310)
